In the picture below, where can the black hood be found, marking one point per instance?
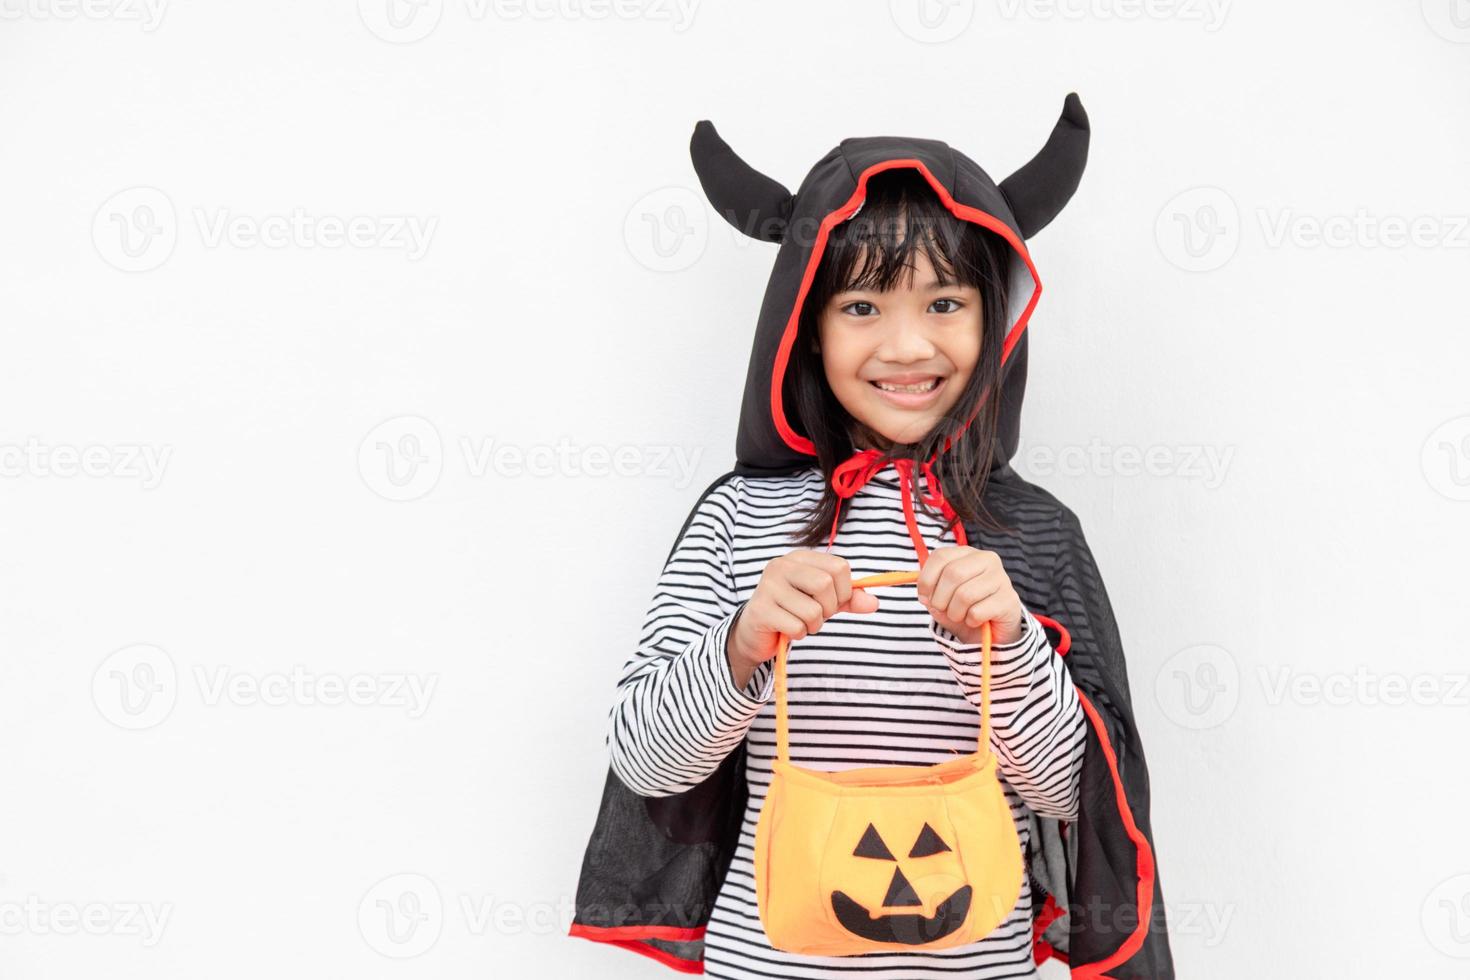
(770, 440)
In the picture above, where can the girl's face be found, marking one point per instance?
(898, 360)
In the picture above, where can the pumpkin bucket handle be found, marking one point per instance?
(871, 581)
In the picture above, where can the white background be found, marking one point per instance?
(325, 509)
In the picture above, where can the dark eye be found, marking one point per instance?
(953, 305)
(859, 308)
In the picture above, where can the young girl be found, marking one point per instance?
(879, 417)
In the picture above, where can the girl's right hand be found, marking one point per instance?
(796, 594)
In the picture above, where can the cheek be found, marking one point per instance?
(842, 359)
(964, 351)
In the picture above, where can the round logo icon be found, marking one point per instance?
(401, 916)
(136, 687)
(1445, 459)
(402, 458)
(400, 21)
(667, 230)
(1198, 687)
(136, 230)
(932, 21)
(1198, 230)
(1445, 917)
(1450, 19)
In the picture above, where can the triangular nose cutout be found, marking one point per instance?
(900, 892)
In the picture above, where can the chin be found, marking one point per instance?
(908, 430)
(896, 427)
(904, 438)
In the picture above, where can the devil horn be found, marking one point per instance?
(754, 203)
(1041, 188)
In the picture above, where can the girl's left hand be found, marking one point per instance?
(963, 587)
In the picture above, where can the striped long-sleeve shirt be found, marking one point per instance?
(891, 687)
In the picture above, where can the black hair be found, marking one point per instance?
(875, 249)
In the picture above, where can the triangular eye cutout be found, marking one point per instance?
(872, 846)
(928, 843)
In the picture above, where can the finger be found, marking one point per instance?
(955, 574)
(817, 583)
(1004, 606)
(818, 559)
(933, 567)
(804, 608)
(834, 565)
(842, 581)
(989, 610)
(862, 601)
(781, 621)
(972, 591)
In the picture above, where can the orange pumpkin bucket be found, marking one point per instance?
(885, 858)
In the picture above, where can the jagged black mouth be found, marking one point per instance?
(903, 927)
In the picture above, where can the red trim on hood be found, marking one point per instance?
(851, 475)
(635, 938)
(801, 443)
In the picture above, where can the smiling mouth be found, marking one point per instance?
(919, 388)
(917, 395)
(907, 928)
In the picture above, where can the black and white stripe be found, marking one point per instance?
(885, 688)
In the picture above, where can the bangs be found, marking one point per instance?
(877, 248)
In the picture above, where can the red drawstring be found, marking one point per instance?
(848, 478)
(851, 475)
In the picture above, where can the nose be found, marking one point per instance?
(905, 341)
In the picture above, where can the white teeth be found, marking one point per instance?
(918, 389)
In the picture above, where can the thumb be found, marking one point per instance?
(862, 601)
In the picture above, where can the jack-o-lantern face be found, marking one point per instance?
(911, 927)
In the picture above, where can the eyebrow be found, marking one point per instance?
(930, 286)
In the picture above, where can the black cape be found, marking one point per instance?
(653, 866)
